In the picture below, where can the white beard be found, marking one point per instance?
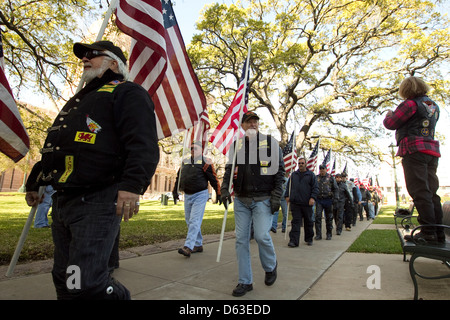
(91, 73)
(251, 133)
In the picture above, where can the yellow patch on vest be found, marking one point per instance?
(69, 169)
(85, 137)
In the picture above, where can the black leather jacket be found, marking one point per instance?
(105, 134)
(259, 169)
(195, 175)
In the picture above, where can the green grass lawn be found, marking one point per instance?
(153, 224)
(379, 241)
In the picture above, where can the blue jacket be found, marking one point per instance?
(304, 187)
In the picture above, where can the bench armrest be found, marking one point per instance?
(406, 222)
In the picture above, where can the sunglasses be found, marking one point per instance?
(93, 54)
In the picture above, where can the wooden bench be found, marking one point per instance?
(404, 223)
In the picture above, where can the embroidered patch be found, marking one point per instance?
(85, 137)
(110, 86)
(69, 169)
(425, 132)
(92, 125)
(107, 88)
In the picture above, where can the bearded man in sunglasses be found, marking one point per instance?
(100, 155)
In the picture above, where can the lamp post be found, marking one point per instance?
(397, 198)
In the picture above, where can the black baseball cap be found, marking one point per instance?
(322, 166)
(249, 115)
(79, 49)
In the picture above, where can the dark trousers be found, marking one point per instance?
(364, 205)
(338, 213)
(84, 229)
(348, 214)
(301, 214)
(422, 184)
(357, 207)
(326, 206)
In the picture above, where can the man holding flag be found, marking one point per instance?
(99, 155)
(258, 183)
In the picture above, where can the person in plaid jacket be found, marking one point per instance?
(415, 122)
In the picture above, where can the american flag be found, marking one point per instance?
(159, 62)
(327, 161)
(289, 155)
(333, 170)
(225, 133)
(356, 180)
(198, 133)
(14, 140)
(312, 161)
(366, 182)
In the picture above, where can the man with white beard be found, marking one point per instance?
(99, 155)
(258, 186)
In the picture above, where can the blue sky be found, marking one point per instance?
(187, 13)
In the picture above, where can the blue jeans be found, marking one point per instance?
(41, 220)
(260, 213)
(84, 228)
(371, 210)
(194, 208)
(284, 211)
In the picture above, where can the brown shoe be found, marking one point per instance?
(185, 251)
(197, 249)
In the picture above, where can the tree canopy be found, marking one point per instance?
(322, 67)
(37, 41)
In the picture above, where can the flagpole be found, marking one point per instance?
(294, 151)
(238, 131)
(24, 234)
(101, 32)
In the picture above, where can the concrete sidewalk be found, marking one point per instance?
(321, 271)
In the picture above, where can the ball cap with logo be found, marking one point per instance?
(79, 49)
(249, 115)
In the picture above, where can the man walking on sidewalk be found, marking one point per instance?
(302, 192)
(258, 183)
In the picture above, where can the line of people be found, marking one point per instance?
(259, 192)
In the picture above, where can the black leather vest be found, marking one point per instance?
(422, 123)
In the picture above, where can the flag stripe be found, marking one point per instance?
(289, 155)
(146, 20)
(11, 118)
(14, 140)
(146, 68)
(168, 75)
(183, 83)
(225, 133)
(312, 161)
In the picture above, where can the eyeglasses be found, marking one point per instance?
(94, 53)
